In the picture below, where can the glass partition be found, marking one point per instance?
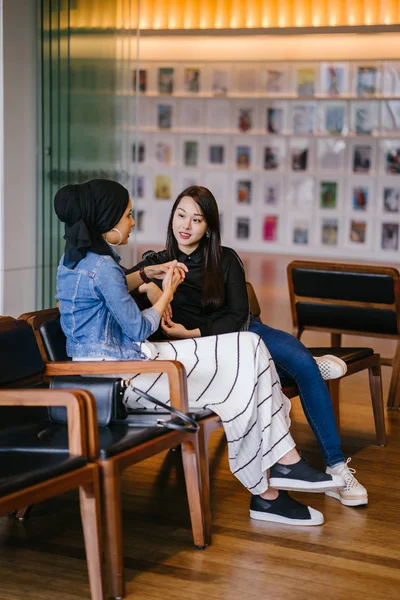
(85, 101)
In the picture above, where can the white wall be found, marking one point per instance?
(18, 164)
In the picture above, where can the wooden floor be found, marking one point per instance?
(354, 555)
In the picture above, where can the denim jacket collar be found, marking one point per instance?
(115, 255)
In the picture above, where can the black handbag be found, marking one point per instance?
(108, 393)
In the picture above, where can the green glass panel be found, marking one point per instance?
(81, 115)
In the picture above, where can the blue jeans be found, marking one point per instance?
(294, 361)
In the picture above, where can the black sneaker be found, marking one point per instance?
(302, 477)
(284, 510)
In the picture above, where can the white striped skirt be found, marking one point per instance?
(234, 376)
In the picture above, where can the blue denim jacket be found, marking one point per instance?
(98, 316)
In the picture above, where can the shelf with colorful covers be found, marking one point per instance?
(294, 167)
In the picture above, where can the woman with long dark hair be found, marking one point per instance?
(213, 300)
(233, 375)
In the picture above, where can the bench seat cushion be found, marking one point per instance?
(52, 438)
(21, 469)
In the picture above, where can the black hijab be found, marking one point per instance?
(89, 210)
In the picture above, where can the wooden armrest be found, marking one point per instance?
(77, 403)
(174, 369)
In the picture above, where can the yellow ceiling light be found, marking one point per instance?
(231, 14)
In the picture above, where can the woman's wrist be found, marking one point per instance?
(161, 304)
(169, 296)
(145, 273)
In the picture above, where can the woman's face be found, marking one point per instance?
(188, 225)
(124, 226)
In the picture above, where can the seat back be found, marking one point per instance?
(254, 306)
(54, 340)
(344, 298)
(49, 335)
(21, 365)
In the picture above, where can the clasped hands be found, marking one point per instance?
(172, 274)
(160, 271)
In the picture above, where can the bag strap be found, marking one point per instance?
(191, 425)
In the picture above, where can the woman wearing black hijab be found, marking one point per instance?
(233, 374)
(98, 216)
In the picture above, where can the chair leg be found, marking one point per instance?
(394, 390)
(205, 478)
(336, 340)
(396, 399)
(375, 385)
(113, 529)
(333, 387)
(91, 523)
(194, 489)
(23, 513)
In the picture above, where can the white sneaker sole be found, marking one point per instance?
(296, 485)
(360, 501)
(317, 518)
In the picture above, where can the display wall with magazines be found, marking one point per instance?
(303, 157)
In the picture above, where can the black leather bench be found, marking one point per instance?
(34, 466)
(339, 298)
(118, 446)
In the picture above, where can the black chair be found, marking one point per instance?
(341, 299)
(120, 445)
(40, 460)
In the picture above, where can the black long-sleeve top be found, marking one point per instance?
(186, 305)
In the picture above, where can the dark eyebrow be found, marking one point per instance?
(194, 214)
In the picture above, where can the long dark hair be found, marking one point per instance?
(213, 284)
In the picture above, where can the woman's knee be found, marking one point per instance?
(302, 361)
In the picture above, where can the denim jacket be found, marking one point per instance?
(98, 316)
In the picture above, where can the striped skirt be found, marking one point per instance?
(234, 376)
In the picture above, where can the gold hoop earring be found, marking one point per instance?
(120, 237)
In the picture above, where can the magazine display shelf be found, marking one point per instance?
(303, 158)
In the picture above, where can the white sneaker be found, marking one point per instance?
(331, 367)
(353, 493)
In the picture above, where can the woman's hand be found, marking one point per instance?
(160, 271)
(172, 279)
(176, 330)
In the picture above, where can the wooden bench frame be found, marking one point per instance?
(81, 409)
(112, 467)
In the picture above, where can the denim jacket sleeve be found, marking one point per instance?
(111, 283)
